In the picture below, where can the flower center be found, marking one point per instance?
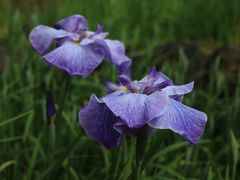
(129, 90)
(125, 89)
(83, 35)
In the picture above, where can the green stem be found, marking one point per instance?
(117, 164)
(52, 135)
(63, 96)
(54, 119)
(141, 144)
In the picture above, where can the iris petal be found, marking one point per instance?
(179, 90)
(111, 87)
(98, 122)
(75, 24)
(186, 121)
(75, 59)
(100, 35)
(124, 80)
(114, 52)
(41, 37)
(136, 109)
(156, 77)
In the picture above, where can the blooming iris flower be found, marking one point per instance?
(78, 51)
(154, 101)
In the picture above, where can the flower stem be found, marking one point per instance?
(63, 96)
(52, 135)
(140, 150)
(53, 119)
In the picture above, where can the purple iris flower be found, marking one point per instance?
(154, 101)
(78, 51)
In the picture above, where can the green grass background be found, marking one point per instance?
(26, 148)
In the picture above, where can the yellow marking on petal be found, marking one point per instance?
(137, 92)
(76, 42)
(125, 89)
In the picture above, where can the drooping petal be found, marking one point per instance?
(98, 122)
(136, 109)
(41, 37)
(186, 121)
(114, 52)
(74, 23)
(75, 59)
(179, 90)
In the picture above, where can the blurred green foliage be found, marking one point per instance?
(142, 25)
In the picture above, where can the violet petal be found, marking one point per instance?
(136, 109)
(111, 87)
(98, 122)
(74, 23)
(75, 59)
(41, 37)
(114, 52)
(156, 77)
(124, 80)
(186, 121)
(179, 90)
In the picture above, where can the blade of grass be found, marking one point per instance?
(10, 139)
(8, 121)
(27, 126)
(234, 148)
(54, 170)
(6, 164)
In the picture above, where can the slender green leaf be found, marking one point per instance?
(8, 121)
